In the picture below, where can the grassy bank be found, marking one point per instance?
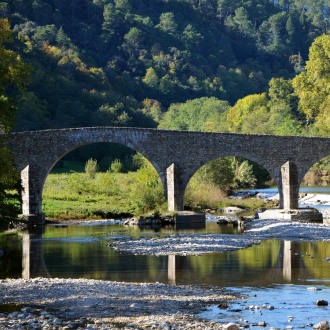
(77, 196)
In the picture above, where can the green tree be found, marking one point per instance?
(4, 9)
(312, 86)
(249, 115)
(111, 20)
(240, 21)
(217, 172)
(153, 109)
(45, 35)
(133, 41)
(148, 192)
(167, 23)
(151, 78)
(271, 34)
(91, 168)
(62, 39)
(123, 5)
(243, 174)
(224, 9)
(13, 72)
(191, 36)
(206, 114)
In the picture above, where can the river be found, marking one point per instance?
(289, 275)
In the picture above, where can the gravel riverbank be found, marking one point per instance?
(91, 304)
(197, 244)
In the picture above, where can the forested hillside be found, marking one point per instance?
(125, 62)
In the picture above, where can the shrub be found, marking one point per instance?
(116, 166)
(91, 168)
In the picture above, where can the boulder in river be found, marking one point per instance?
(323, 325)
(232, 209)
(230, 326)
(322, 303)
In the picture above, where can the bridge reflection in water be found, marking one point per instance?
(287, 265)
(33, 260)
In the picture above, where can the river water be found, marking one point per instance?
(289, 275)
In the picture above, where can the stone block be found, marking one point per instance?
(307, 214)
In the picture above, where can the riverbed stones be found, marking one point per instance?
(232, 209)
(67, 302)
(262, 324)
(323, 325)
(230, 326)
(322, 302)
(302, 214)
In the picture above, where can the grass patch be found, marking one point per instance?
(76, 196)
(112, 195)
(201, 195)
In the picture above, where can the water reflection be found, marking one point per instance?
(171, 269)
(26, 256)
(33, 258)
(287, 266)
(82, 251)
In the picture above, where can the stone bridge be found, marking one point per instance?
(176, 155)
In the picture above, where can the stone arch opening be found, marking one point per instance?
(315, 186)
(125, 183)
(214, 181)
(318, 174)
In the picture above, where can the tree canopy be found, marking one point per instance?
(13, 75)
(313, 85)
(90, 53)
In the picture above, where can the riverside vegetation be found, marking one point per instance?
(93, 194)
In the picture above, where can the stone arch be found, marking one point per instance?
(65, 152)
(253, 158)
(316, 180)
(270, 169)
(93, 144)
(37, 152)
(68, 151)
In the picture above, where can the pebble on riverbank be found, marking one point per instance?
(58, 303)
(323, 325)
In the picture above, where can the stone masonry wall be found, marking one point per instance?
(36, 152)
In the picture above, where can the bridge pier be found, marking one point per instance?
(174, 188)
(290, 186)
(31, 197)
(289, 198)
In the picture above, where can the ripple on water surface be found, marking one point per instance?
(280, 306)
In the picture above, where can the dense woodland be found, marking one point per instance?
(125, 62)
(250, 66)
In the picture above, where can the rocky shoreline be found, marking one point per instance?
(91, 304)
(66, 304)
